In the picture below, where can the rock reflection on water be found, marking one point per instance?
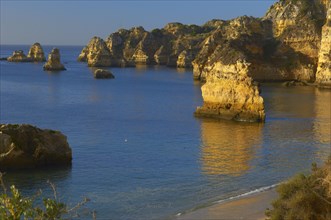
(322, 122)
(228, 147)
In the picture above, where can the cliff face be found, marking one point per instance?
(229, 93)
(323, 75)
(283, 45)
(96, 53)
(287, 44)
(174, 45)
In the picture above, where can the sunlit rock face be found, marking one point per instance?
(229, 93)
(283, 45)
(36, 53)
(185, 59)
(18, 56)
(54, 61)
(323, 75)
(227, 148)
(165, 46)
(96, 53)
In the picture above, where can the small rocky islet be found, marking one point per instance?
(25, 146)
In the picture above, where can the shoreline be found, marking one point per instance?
(246, 206)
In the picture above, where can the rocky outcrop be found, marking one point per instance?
(283, 46)
(160, 46)
(103, 74)
(96, 53)
(185, 59)
(26, 146)
(18, 56)
(36, 53)
(229, 93)
(54, 62)
(323, 75)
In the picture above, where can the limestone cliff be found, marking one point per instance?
(54, 61)
(283, 45)
(96, 53)
(229, 93)
(36, 53)
(290, 43)
(323, 75)
(166, 46)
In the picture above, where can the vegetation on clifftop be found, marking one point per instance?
(305, 196)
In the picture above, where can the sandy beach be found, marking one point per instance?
(248, 207)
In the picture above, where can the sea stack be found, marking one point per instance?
(229, 93)
(54, 63)
(36, 53)
(25, 146)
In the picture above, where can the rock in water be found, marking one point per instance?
(18, 56)
(53, 63)
(26, 146)
(229, 93)
(323, 75)
(103, 74)
(36, 53)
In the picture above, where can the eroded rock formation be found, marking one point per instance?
(229, 93)
(287, 44)
(26, 146)
(284, 45)
(138, 46)
(54, 62)
(18, 56)
(36, 53)
(323, 75)
(96, 53)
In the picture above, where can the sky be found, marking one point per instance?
(74, 22)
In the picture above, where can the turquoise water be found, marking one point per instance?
(138, 152)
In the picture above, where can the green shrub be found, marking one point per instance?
(14, 206)
(304, 196)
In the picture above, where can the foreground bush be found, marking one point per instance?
(305, 196)
(15, 207)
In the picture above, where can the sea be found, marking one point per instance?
(138, 150)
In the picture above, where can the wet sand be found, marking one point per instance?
(251, 207)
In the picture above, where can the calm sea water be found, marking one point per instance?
(138, 152)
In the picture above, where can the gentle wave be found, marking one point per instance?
(255, 191)
(259, 190)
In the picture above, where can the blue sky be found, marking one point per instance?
(75, 22)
